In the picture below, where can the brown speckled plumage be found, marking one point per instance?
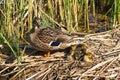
(40, 39)
(49, 39)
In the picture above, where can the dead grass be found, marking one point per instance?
(104, 46)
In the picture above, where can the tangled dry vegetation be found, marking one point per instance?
(104, 46)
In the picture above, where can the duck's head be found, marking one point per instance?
(33, 32)
(35, 25)
(36, 22)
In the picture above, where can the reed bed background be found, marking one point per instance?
(16, 17)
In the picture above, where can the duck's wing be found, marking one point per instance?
(60, 39)
(48, 35)
(40, 45)
(48, 32)
(46, 39)
(64, 38)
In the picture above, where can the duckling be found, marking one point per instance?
(79, 52)
(74, 51)
(88, 57)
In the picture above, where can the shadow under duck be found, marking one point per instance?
(49, 39)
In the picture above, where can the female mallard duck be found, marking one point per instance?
(48, 39)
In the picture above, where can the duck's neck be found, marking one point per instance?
(34, 34)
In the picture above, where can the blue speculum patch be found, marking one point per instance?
(55, 43)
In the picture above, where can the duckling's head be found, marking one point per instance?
(74, 47)
(84, 46)
(88, 57)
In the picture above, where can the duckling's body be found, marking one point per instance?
(77, 52)
(88, 57)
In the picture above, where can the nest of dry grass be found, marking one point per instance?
(104, 46)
